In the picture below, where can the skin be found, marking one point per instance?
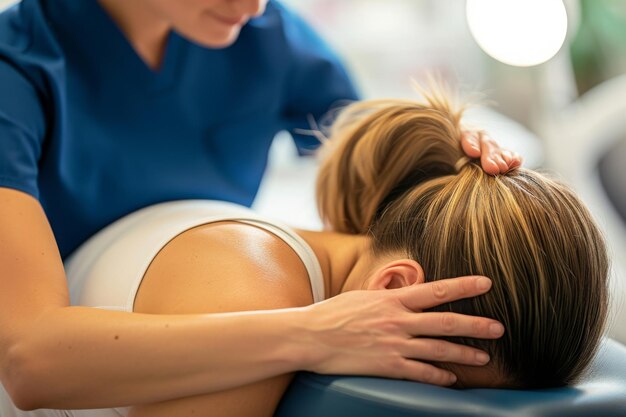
(264, 273)
(108, 359)
(211, 23)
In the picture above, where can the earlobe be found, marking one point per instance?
(396, 274)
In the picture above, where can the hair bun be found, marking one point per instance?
(379, 150)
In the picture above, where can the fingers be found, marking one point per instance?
(512, 159)
(490, 158)
(452, 324)
(424, 372)
(470, 142)
(434, 350)
(493, 159)
(431, 294)
(508, 157)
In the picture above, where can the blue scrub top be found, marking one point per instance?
(93, 133)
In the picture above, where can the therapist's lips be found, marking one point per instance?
(232, 21)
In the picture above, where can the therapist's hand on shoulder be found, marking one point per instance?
(386, 333)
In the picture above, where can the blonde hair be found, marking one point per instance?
(395, 169)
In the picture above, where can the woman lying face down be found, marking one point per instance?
(396, 173)
(404, 206)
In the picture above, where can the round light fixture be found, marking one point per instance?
(518, 32)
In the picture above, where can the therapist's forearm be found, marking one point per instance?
(79, 357)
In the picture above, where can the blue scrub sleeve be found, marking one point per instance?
(318, 83)
(22, 129)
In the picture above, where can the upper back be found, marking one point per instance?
(105, 269)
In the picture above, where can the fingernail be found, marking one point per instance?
(482, 357)
(483, 284)
(452, 379)
(496, 329)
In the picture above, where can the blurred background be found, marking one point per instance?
(553, 73)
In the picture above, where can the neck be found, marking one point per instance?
(344, 259)
(145, 30)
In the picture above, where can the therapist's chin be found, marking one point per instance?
(215, 39)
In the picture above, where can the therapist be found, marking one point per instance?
(110, 106)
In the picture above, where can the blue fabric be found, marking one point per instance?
(602, 392)
(90, 130)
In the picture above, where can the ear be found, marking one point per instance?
(396, 274)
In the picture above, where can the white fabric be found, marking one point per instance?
(106, 271)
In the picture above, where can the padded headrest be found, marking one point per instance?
(602, 392)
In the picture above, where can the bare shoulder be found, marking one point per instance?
(220, 267)
(223, 267)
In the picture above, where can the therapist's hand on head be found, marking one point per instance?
(386, 333)
(494, 160)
